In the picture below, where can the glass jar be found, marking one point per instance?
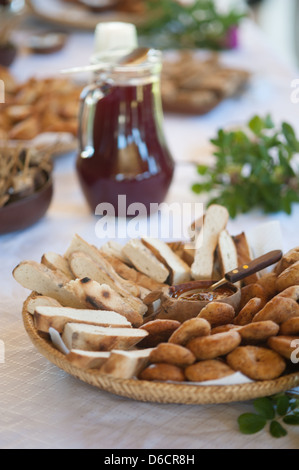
(123, 150)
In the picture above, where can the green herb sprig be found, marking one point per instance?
(171, 24)
(276, 412)
(255, 168)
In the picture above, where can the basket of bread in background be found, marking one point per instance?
(40, 112)
(98, 313)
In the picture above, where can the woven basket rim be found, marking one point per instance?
(158, 392)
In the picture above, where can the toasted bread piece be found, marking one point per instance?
(126, 364)
(180, 272)
(102, 297)
(145, 261)
(35, 300)
(215, 222)
(112, 248)
(80, 245)
(39, 278)
(97, 338)
(244, 256)
(87, 359)
(130, 274)
(83, 266)
(57, 318)
(227, 253)
(57, 262)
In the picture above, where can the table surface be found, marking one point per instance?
(42, 406)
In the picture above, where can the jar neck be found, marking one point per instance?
(144, 73)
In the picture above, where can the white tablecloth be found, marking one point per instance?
(43, 407)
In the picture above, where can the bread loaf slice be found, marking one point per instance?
(126, 364)
(244, 256)
(112, 248)
(57, 318)
(145, 261)
(35, 300)
(83, 266)
(57, 262)
(42, 280)
(215, 220)
(131, 274)
(87, 359)
(227, 253)
(80, 245)
(180, 272)
(97, 338)
(101, 297)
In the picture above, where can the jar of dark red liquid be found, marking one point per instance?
(123, 150)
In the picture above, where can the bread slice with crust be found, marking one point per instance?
(227, 253)
(126, 364)
(57, 262)
(87, 359)
(215, 221)
(44, 281)
(180, 272)
(80, 245)
(244, 256)
(97, 338)
(145, 261)
(35, 300)
(131, 274)
(102, 297)
(83, 266)
(54, 317)
(112, 248)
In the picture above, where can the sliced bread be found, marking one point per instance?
(57, 262)
(126, 364)
(57, 318)
(145, 261)
(227, 253)
(180, 272)
(35, 300)
(87, 359)
(97, 338)
(215, 221)
(101, 297)
(42, 280)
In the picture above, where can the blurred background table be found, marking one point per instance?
(43, 407)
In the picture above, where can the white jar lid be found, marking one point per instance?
(115, 35)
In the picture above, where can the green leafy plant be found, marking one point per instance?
(254, 167)
(172, 24)
(277, 412)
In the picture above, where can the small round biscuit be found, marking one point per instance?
(250, 291)
(290, 327)
(290, 293)
(224, 328)
(289, 277)
(190, 329)
(279, 309)
(249, 311)
(159, 331)
(217, 313)
(174, 354)
(287, 260)
(211, 347)
(208, 370)
(257, 363)
(258, 332)
(163, 372)
(284, 345)
(268, 283)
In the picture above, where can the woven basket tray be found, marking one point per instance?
(155, 391)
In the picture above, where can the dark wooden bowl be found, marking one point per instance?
(8, 54)
(27, 211)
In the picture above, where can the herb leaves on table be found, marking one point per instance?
(255, 167)
(277, 411)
